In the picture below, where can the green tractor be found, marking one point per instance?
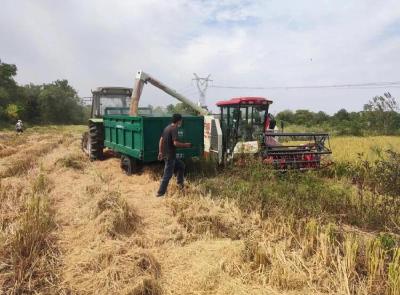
(105, 101)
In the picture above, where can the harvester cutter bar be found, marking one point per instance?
(302, 157)
(296, 134)
(295, 152)
(317, 141)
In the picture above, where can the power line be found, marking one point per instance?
(344, 86)
(186, 88)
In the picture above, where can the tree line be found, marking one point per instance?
(51, 103)
(58, 103)
(379, 116)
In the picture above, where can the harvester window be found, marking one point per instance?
(224, 119)
(258, 120)
(259, 116)
(244, 124)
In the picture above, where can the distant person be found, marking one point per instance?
(167, 152)
(19, 127)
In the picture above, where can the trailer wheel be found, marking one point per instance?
(130, 165)
(95, 143)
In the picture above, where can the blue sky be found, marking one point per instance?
(250, 43)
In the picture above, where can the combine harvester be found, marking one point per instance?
(244, 126)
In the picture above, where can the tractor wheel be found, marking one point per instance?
(95, 142)
(130, 165)
(85, 144)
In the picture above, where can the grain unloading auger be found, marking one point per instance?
(244, 126)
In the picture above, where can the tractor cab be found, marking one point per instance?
(245, 120)
(110, 101)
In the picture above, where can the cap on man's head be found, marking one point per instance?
(176, 118)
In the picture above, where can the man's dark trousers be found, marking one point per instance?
(171, 166)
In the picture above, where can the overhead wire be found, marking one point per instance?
(391, 84)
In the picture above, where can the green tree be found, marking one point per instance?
(341, 115)
(8, 88)
(320, 118)
(31, 103)
(181, 108)
(55, 102)
(381, 114)
(12, 112)
(287, 116)
(171, 109)
(304, 117)
(60, 104)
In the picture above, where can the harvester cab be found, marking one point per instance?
(243, 122)
(248, 128)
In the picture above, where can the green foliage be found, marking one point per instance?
(180, 108)
(380, 116)
(380, 176)
(8, 86)
(378, 187)
(59, 103)
(55, 102)
(12, 111)
(296, 193)
(31, 104)
(385, 175)
(363, 201)
(387, 241)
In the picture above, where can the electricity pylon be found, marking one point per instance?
(202, 85)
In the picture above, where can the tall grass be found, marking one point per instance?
(366, 195)
(348, 148)
(310, 256)
(28, 249)
(302, 243)
(26, 160)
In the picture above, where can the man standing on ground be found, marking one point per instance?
(19, 127)
(167, 152)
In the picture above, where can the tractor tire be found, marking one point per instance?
(85, 146)
(95, 142)
(130, 165)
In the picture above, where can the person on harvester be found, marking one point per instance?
(167, 152)
(19, 127)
